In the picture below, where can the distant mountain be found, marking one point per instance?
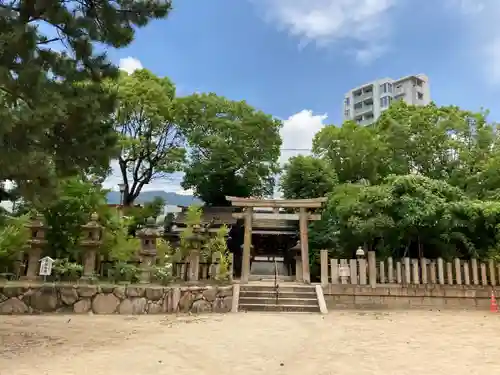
(170, 198)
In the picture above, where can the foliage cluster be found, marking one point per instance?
(420, 181)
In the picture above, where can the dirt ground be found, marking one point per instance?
(341, 343)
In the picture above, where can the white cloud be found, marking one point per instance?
(130, 64)
(365, 23)
(298, 132)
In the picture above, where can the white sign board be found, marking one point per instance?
(344, 271)
(46, 266)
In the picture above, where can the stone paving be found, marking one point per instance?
(343, 343)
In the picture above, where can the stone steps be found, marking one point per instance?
(286, 298)
(281, 293)
(278, 308)
(272, 300)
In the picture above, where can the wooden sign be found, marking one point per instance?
(46, 266)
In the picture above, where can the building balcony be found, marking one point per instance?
(364, 109)
(363, 96)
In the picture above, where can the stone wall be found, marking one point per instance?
(99, 299)
(407, 297)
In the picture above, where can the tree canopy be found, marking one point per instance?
(419, 181)
(307, 177)
(54, 110)
(233, 148)
(151, 140)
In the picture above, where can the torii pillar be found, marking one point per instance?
(247, 245)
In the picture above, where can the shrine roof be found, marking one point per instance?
(220, 215)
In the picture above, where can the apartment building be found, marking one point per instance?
(365, 103)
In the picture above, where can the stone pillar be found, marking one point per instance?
(147, 255)
(247, 243)
(36, 244)
(334, 270)
(390, 270)
(304, 245)
(372, 269)
(324, 266)
(475, 274)
(440, 265)
(406, 262)
(90, 242)
(491, 266)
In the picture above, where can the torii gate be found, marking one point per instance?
(303, 217)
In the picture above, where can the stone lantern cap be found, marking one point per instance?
(194, 237)
(150, 230)
(37, 227)
(93, 223)
(297, 247)
(37, 221)
(93, 229)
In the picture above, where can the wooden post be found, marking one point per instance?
(247, 243)
(372, 269)
(324, 266)
(304, 245)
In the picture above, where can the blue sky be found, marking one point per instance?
(295, 59)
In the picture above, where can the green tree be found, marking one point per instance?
(76, 201)
(405, 215)
(355, 152)
(441, 143)
(234, 148)
(307, 177)
(54, 111)
(152, 144)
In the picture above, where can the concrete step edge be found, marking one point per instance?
(274, 305)
(280, 298)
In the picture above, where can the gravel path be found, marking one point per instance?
(341, 343)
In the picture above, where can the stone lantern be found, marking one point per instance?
(195, 241)
(90, 242)
(148, 236)
(36, 243)
(297, 250)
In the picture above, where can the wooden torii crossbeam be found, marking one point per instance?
(303, 217)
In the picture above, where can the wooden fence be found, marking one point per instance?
(408, 271)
